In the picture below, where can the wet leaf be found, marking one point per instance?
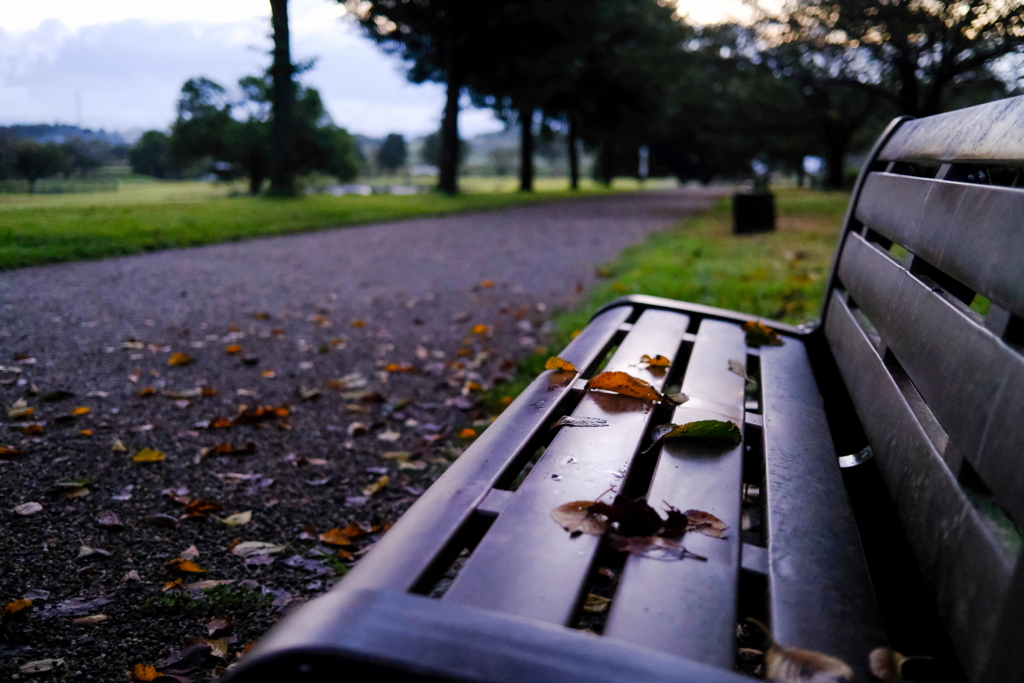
(149, 455)
(252, 548)
(237, 519)
(377, 485)
(560, 364)
(180, 359)
(183, 565)
(701, 429)
(625, 384)
(190, 553)
(576, 517)
(14, 607)
(40, 666)
(145, 672)
(29, 508)
(597, 604)
(887, 664)
(738, 368)
(570, 421)
(759, 334)
(656, 361)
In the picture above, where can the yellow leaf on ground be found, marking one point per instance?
(32, 429)
(183, 565)
(623, 383)
(376, 486)
(149, 455)
(655, 361)
(86, 432)
(358, 323)
(145, 672)
(479, 329)
(118, 447)
(467, 433)
(81, 410)
(148, 391)
(560, 364)
(336, 536)
(233, 349)
(180, 359)
(14, 607)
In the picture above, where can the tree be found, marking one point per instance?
(432, 144)
(441, 42)
(282, 98)
(922, 54)
(392, 153)
(34, 161)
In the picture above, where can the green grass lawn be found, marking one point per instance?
(779, 275)
(148, 215)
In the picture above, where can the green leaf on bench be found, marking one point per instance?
(759, 335)
(559, 364)
(623, 383)
(702, 429)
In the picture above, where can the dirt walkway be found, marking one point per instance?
(357, 355)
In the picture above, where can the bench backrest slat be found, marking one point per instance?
(959, 228)
(939, 388)
(988, 132)
(965, 373)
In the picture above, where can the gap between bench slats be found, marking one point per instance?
(527, 564)
(405, 552)
(688, 607)
(820, 590)
(967, 570)
(971, 381)
(988, 132)
(970, 232)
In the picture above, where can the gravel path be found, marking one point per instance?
(366, 342)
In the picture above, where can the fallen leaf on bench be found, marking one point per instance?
(654, 547)
(693, 520)
(738, 367)
(629, 517)
(376, 486)
(759, 334)
(575, 517)
(41, 665)
(597, 604)
(656, 361)
(252, 548)
(623, 383)
(702, 429)
(887, 664)
(149, 455)
(560, 364)
(570, 421)
(793, 665)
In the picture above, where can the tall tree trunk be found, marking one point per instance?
(526, 150)
(607, 173)
(255, 180)
(837, 143)
(282, 153)
(574, 159)
(449, 180)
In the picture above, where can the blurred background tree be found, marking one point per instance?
(392, 154)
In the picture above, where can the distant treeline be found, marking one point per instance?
(25, 160)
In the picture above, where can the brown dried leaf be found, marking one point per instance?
(376, 486)
(656, 361)
(180, 359)
(887, 664)
(759, 334)
(793, 665)
(623, 383)
(182, 565)
(201, 508)
(149, 455)
(216, 625)
(14, 607)
(94, 619)
(560, 364)
(145, 672)
(336, 536)
(576, 517)
(705, 523)
(598, 604)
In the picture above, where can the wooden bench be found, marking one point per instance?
(478, 583)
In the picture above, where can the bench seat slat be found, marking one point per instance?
(820, 590)
(988, 132)
(967, 568)
(965, 373)
(688, 607)
(402, 556)
(942, 222)
(527, 564)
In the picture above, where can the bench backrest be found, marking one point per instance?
(934, 235)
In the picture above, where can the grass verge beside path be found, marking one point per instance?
(779, 275)
(40, 232)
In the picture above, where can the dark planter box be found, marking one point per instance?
(753, 213)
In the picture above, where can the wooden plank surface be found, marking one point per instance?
(971, 380)
(688, 607)
(399, 559)
(987, 132)
(968, 568)
(820, 591)
(971, 232)
(527, 564)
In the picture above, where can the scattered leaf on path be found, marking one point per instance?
(118, 446)
(560, 364)
(14, 607)
(81, 410)
(251, 548)
(93, 619)
(183, 565)
(20, 408)
(27, 508)
(237, 519)
(377, 485)
(145, 672)
(467, 433)
(149, 455)
(109, 518)
(180, 359)
(40, 666)
(759, 334)
(233, 349)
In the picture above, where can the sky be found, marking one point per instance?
(119, 64)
